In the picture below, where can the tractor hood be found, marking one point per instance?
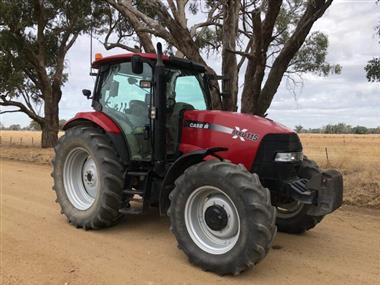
(240, 133)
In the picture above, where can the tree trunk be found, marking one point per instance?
(248, 95)
(215, 98)
(50, 127)
(229, 62)
(49, 136)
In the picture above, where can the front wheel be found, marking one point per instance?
(222, 217)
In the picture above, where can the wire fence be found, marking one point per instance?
(21, 141)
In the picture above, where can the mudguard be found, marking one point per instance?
(98, 118)
(178, 167)
(104, 122)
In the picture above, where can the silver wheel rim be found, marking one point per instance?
(211, 241)
(80, 178)
(289, 210)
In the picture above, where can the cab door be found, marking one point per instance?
(126, 101)
(186, 94)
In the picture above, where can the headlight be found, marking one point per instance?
(289, 156)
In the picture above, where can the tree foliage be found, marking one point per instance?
(35, 37)
(372, 69)
(340, 128)
(266, 39)
(34, 126)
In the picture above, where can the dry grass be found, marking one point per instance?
(21, 138)
(356, 156)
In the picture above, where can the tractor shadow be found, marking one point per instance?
(288, 254)
(148, 224)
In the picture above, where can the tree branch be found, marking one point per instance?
(9, 111)
(144, 38)
(246, 54)
(314, 10)
(22, 108)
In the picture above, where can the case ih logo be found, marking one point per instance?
(236, 133)
(197, 125)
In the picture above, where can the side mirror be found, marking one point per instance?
(137, 64)
(86, 93)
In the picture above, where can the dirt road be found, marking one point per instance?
(38, 246)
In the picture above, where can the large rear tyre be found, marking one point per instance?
(88, 178)
(292, 215)
(222, 217)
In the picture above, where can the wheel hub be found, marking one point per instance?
(216, 217)
(212, 220)
(90, 178)
(80, 178)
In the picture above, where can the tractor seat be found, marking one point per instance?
(138, 108)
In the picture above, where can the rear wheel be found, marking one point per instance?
(222, 217)
(292, 215)
(88, 178)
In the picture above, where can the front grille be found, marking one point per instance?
(272, 174)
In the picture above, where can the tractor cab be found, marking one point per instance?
(124, 91)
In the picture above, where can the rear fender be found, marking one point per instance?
(104, 122)
(177, 169)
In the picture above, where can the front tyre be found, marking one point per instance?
(292, 215)
(222, 217)
(88, 178)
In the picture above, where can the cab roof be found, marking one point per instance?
(172, 60)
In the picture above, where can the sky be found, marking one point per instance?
(348, 98)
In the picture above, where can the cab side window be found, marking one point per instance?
(188, 90)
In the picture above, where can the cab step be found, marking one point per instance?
(137, 173)
(133, 192)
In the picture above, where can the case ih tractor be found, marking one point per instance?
(226, 180)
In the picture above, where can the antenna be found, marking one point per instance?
(91, 28)
(91, 49)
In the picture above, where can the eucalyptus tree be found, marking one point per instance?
(264, 40)
(35, 37)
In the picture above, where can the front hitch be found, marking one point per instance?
(324, 192)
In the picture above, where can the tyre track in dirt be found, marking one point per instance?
(38, 246)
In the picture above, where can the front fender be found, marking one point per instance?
(104, 122)
(98, 118)
(178, 167)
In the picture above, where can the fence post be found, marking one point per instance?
(32, 141)
(327, 156)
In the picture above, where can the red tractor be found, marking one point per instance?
(226, 180)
